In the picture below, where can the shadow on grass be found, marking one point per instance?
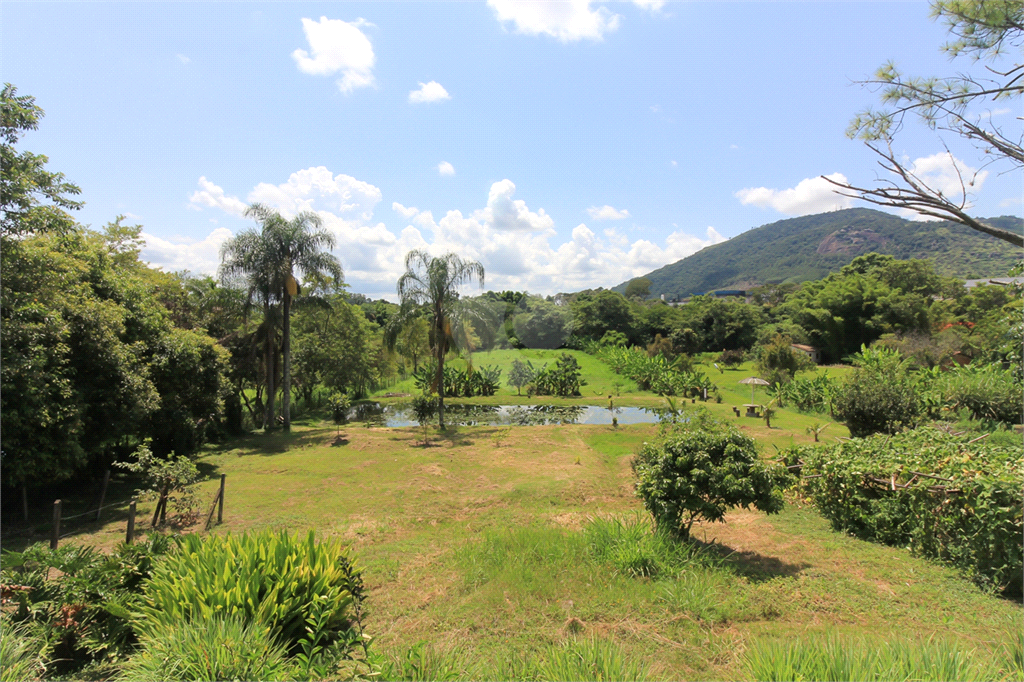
(755, 566)
(271, 442)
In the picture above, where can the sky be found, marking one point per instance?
(564, 145)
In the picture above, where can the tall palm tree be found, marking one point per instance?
(434, 282)
(271, 258)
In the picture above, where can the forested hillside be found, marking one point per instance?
(810, 247)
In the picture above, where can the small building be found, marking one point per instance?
(810, 351)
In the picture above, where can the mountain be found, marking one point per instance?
(810, 247)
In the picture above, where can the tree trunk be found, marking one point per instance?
(286, 393)
(268, 420)
(440, 388)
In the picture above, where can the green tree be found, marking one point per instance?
(984, 30)
(638, 288)
(520, 375)
(777, 362)
(32, 199)
(272, 257)
(413, 342)
(434, 282)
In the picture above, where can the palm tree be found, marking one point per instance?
(271, 258)
(434, 282)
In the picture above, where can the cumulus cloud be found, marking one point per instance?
(445, 168)
(940, 172)
(811, 195)
(518, 245)
(337, 46)
(567, 20)
(212, 196)
(607, 212)
(183, 58)
(650, 5)
(201, 257)
(429, 92)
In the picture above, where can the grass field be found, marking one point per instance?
(483, 547)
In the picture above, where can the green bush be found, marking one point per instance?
(988, 392)
(300, 590)
(564, 379)
(882, 661)
(970, 515)
(879, 396)
(84, 616)
(698, 473)
(216, 648)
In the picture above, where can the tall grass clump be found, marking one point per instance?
(217, 648)
(303, 593)
(20, 652)
(588, 659)
(832, 658)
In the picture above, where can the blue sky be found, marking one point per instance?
(565, 145)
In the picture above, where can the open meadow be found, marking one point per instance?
(488, 545)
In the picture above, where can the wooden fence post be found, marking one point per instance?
(103, 493)
(220, 503)
(55, 537)
(130, 535)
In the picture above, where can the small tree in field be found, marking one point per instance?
(699, 473)
(339, 404)
(520, 375)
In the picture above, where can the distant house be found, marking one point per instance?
(810, 351)
(996, 281)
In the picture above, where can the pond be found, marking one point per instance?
(460, 414)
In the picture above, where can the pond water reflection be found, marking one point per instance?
(461, 414)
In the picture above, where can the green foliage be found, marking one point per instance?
(987, 392)
(564, 379)
(656, 373)
(731, 358)
(538, 323)
(885, 489)
(638, 288)
(214, 648)
(32, 199)
(19, 652)
(472, 381)
(832, 658)
(698, 473)
(520, 375)
(85, 614)
(337, 347)
(879, 396)
(811, 394)
(276, 580)
(777, 362)
(811, 247)
(339, 405)
(174, 478)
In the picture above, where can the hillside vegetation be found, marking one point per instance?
(810, 247)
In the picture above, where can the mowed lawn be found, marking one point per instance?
(467, 545)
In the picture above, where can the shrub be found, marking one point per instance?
(930, 491)
(169, 480)
(879, 396)
(699, 474)
(215, 648)
(589, 659)
(84, 615)
(987, 391)
(778, 363)
(564, 379)
(731, 358)
(520, 375)
(276, 580)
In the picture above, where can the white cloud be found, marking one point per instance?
(213, 196)
(404, 211)
(653, 6)
(674, 163)
(445, 168)
(518, 247)
(566, 20)
(429, 92)
(1011, 202)
(607, 212)
(337, 46)
(939, 171)
(182, 58)
(313, 188)
(201, 257)
(811, 195)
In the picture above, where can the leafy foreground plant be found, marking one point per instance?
(218, 648)
(699, 471)
(19, 652)
(836, 659)
(928, 490)
(305, 594)
(83, 616)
